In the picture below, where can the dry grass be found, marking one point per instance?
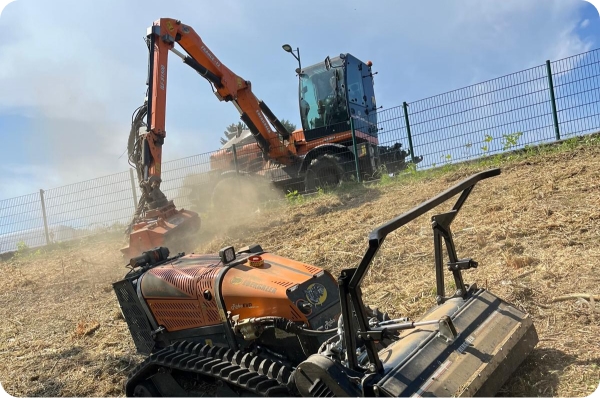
(534, 231)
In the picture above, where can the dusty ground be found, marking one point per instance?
(534, 230)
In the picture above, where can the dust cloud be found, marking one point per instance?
(228, 206)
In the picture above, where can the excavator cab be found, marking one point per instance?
(333, 90)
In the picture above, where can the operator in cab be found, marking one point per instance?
(335, 105)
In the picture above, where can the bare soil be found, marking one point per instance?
(535, 231)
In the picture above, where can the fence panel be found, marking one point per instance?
(577, 90)
(392, 127)
(21, 220)
(88, 207)
(485, 118)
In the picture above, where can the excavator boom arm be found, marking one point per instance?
(162, 36)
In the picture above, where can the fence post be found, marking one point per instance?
(355, 149)
(235, 159)
(44, 216)
(553, 100)
(410, 143)
(133, 191)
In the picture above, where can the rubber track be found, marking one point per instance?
(248, 371)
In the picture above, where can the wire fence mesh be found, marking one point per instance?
(576, 88)
(85, 208)
(484, 118)
(552, 101)
(21, 221)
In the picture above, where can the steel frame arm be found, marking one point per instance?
(350, 280)
(162, 36)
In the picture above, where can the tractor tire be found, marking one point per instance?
(325, 171)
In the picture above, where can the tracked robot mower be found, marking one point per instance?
(250, 322)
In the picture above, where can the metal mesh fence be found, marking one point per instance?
(21, 221)
(576, 88)
(545, 103)
(391, 125)
(85, 208)
(484, 118)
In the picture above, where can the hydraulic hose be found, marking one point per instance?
(290, 327)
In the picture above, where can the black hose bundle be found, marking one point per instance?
(134, 152)
(134, 144)
(291, 327)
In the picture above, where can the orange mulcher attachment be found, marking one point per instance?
(170, 228)
(157, 222)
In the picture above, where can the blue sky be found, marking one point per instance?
(72, 72)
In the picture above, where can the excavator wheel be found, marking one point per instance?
(325, 171)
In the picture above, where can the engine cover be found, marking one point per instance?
(199, 290)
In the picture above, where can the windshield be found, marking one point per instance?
(322, 95)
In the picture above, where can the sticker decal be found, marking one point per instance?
(259, 286)
(236, 280)
(316, 294)
(242, 305)
(330, 323)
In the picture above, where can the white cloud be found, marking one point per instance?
(584, 23)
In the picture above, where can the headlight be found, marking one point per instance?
(227, 254)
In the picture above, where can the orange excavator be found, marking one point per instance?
(331, 94)
(157, 221)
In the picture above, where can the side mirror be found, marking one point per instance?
(327, 63)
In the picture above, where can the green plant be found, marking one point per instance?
(385, 179)
(593, 139)
(384, 175)
(294, 197)
(530, 150)
(22, 246)
(571, 143)
(411, 168)
(487, 139)
(510, 140)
